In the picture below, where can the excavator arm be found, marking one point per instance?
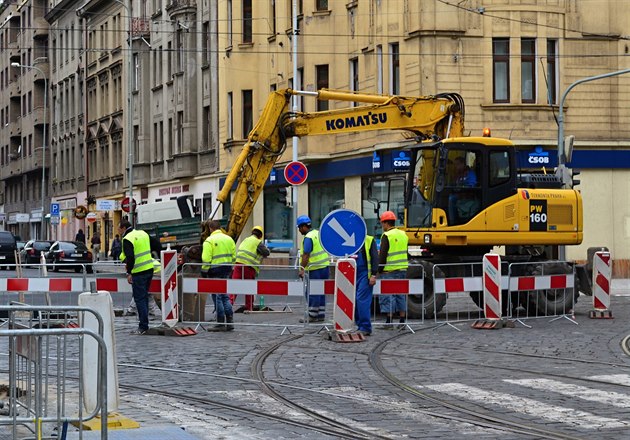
(439, 116)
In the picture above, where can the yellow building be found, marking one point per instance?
(512, 62)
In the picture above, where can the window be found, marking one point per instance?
(528, 70)
(379, 69)
(248, 115)
(552, 71)
(229, 23)
(247, 21)
(272, 12)
(205, 44)
(136, 72)
(324, 197)
(321, 76)
(278, 216)
(394, 80)
(180, 50)
(230, 117)
(205, 127)
(321, 5)
(501, 70)
(354, 76)
(180, 132)
(499, 168)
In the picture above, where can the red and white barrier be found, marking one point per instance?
(41, 285)
(602, 273)
(345, 294)
(244, 287)
(168, 288)
(541, 282)
(491, 286)
(382, 287)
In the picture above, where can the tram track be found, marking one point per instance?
(475, 417)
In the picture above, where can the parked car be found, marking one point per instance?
(8, 247)
(32, 250)
(20, 245)
(69, 255)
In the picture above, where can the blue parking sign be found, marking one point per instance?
(54, 209)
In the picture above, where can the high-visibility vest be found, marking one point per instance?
(141, 250)
(222, 250)
(368, 244)
(397, 254)
(247, 253)
(318, 258)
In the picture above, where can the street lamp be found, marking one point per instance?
(15, 64)
(129, 109)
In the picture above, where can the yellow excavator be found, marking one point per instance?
(461, 197)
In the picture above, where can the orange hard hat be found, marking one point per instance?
(388, 215)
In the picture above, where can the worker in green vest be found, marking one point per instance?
(218, 257)
(393, 263)
(314, 263)
(136, 254)
(249, 255)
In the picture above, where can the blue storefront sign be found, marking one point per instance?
(401, 161)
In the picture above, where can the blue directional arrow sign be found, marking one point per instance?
(342, 232)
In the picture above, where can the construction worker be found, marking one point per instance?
(314, 262)
(393, 263)
(218, 258)
(367, 269)
(249, 255)
(136, 254)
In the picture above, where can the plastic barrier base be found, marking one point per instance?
(600, 314)
(114, 421)
(175, 331)
(491, 324)
(346, 337)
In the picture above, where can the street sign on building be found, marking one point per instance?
(22, 218)
(105, 205)
(342, 232)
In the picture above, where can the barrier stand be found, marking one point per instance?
(168, 292)
(43, 267)
(345, 297)
(568, 317)
(492, 301)
(602, 272)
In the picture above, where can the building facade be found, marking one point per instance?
(511, 63)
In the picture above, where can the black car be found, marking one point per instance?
(69, 255)
(8, 247)
(33, 249)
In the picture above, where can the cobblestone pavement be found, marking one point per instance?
(572, 380)
(556, 375)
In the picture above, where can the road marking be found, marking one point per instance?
(621, 379)
(571, 390)
(530, 407)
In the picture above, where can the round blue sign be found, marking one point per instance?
(342, 232)
(295, 173)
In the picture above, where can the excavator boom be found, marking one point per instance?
(425, 117)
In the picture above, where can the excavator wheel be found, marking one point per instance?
(432, 304)
(552, 301)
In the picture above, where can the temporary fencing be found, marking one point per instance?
(45, 388)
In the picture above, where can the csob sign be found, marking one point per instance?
(401, 161)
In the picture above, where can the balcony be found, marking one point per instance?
(14, 167)
(14, 128)
(34, 161)
(14, 89)
(38, 116)
(14, 49)
(178, 7)
(42, 64)
(40, 27)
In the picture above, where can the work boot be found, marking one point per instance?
(230, 321)
(219, 326)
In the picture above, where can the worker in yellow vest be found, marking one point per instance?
(218, 257)
(393, 263)
(367, 270)
(249, 255)
(136, 254)
(314, 263)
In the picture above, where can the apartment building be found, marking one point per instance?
(510, 61)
